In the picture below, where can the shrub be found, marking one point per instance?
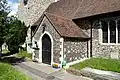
(24, 54)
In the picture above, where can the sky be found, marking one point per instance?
(13, 6)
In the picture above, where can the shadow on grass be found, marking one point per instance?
(12, 60)
(6, 54)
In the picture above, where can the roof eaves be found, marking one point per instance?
(42, 17)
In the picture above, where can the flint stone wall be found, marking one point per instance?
(101, 50)
(75, 50)
(31, 12)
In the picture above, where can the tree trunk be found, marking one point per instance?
(0, 50)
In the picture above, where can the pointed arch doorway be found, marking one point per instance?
(46, 49)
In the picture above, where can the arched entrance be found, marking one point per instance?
(46, 49)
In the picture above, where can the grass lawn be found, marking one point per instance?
(5, 51)
(99, 63)
(24, 54)
(7, 72)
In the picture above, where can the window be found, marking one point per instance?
(118, 28)
(105, 31)
(110, 31)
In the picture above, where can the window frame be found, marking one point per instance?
(116, 19)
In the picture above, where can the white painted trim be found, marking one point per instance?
(111, 44)
(40, 46)
(62, 51)
(89, 49)
(116, 31)
(75, 62)
(33, 54)
(56, 0)
(108, 32)
(100, 33)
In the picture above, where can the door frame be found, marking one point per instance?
(46, 49)
(40, 46)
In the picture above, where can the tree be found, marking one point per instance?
(13, 32)
(4, 11)
(16, 34)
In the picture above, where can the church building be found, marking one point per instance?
(76, 30)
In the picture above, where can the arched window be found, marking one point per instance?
(118, 28)
(112, 29)
(104, 31)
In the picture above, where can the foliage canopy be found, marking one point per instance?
(13, 32)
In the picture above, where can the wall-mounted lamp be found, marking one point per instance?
(44, 26)
(35, 46)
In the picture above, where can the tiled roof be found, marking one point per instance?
(66, 27)
(62, 13)
(64, 8)
(83, 8)
(38, 21)
(96, 7)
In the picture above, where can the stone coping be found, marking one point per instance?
(96, 74)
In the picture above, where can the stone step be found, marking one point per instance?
(37, 72)
(41, 67)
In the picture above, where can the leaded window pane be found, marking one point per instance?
(104, 31)
(118, 31)
(112, 32)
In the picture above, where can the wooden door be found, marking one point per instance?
(46, 49)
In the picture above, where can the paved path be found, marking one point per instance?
(28, 73)
(44, 72)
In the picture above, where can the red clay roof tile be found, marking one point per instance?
(66, 27)
(62, 13)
